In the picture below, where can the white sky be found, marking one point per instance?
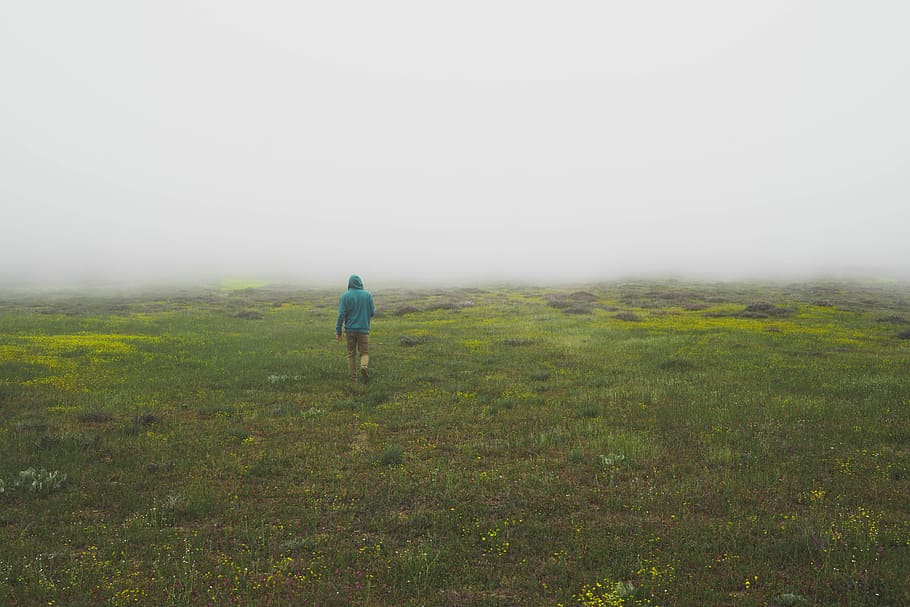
(454, 141)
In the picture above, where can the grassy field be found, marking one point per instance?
(634, 443)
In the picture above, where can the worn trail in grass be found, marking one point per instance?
(623, 444)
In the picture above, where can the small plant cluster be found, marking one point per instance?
(764, 310)
(412, 340)
(434, 306)
(35, 481)
(392, 456)
(608, 461)
(276, 378)
(612, 594)
(791, 600)
(580, 302)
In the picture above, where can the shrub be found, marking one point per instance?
(442, 305)
(608, 594)
(392, 456)
(412, 340)
(763, 310)
(33, 425)
(614, 459)
(212, 411)
(373, 399)
(790, 600)
(589, 411)
(541, 375)
(146, 419)
(894, 319)
(95, 417)
(677, 364)
(40, 481)
(695, 307)
(406, 310)
(347, 404)
(160, 467)
(296, 545)
(627, 316)
(578, 309)
(238, 434)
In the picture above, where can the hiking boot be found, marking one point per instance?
(365, 375)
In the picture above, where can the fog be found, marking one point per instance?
(452, 142)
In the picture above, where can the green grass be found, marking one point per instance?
(634, 443)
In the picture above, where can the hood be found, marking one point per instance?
(354, 282)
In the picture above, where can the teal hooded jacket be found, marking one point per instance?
(355, 308)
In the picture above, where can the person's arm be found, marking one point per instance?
(340, 320)
(372, 307)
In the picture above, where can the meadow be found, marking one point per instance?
(626, 443)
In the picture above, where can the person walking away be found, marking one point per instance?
(355, 309)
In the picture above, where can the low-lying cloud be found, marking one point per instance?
(414, 142)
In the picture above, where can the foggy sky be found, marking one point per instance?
(453, 141)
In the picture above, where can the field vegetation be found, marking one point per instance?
(627, 443)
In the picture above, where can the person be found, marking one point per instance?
(355, 309)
